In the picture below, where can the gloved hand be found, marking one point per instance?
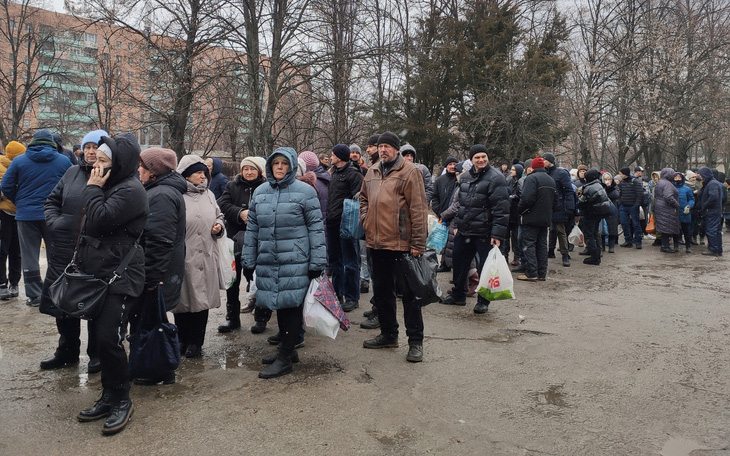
(686, 210)
(314, 274)
(248, 274)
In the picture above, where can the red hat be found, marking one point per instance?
(537, 163)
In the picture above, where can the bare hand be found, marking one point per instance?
(243, 215)
(97, 177)
(416, 253)
(216, 229)
(496, 242)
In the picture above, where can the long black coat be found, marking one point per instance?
(443, 192)
(164, 236)
(115, 217)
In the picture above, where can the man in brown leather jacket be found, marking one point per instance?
(393, 212)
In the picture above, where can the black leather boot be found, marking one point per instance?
(58, 360)
(102, 408)
(281, 366)
(119, 417)
(233, 317)
(272, 358)
(566, 260)
(229, 326)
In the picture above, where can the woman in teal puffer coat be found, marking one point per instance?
(284, 243)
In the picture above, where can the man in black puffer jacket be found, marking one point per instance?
(594, 205)
(564, 210)
(632, 194)
(535, 209)
(482, 222)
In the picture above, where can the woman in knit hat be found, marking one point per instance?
(200, 287)
(9, 245)
(163, 240)
(234, 204)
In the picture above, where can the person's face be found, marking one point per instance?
(513, 172)
(677, 178)
(581, 174)
(638, 173)
(607, 179)
(335, 160)
(90, 152)
(324, 161)
(504, 168)
(451, 167)
(618, 181)
(355, 156)
(280, 166)
(693, 180)
(655, 178)
(249, 173)
(372, 149)
(209, 164)
(102, 161)
(408, 157)
(480, 161)
(387, 152)
(145, 175)
(197, 178)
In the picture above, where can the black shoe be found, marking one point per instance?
(415, 353)
(693, 241)
(592, 260)
(715, 254)
(364, 286)
(167, 379)
(275, 339)
(101, 409)
(519, 268)
(668, 250)
(94, 366)
(688, 249)
(272, 358)
(193, 351)
(656, 243)
(33, 302)
(451, 301)
(278, 368)
(627, 244)
(381, 341)
(229, 326)
(566, 260)
(349, 306)
(610, 249)
(551, 254)
(584, 252)
(121, 413)
(368, 313)
(443, 269)
(481, 308)
(638, 246)
(371, 323)
(258, 327)
(570, 247)
(13, 289)
(541, 279)
(183, 349)
(57, 361)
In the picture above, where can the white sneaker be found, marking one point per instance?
(651, 237)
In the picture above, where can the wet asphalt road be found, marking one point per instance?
(629, 358)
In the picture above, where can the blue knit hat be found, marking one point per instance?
(93, 137)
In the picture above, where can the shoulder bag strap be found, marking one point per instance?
(125, 262)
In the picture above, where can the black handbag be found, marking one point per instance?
(82, 295)
(154, 349)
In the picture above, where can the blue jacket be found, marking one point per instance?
(685, 198)
(32, 176)
(218, 180)
(284, 237)
(566, 196)
(711, 192)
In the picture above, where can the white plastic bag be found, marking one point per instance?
(226, 263)
(495, 281)
(317, 319)
(576, 236)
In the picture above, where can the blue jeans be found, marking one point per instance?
(713, 232)
(629, 216)
(465, 248)
(30, 234)
(345, 264)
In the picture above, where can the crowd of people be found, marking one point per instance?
(108, 199)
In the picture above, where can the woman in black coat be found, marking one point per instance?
(611, 220)
(115, 206)
(234, 203)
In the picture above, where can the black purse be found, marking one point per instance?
(154, 349)
(82, 295)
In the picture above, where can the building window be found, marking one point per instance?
(118, 115)
(130, 60)
(26, 124)
(130, 46)
(119, 44)
(119, 58)
(130, 74)
(90, 39)
(89, 97)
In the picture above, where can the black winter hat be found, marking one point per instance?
(342, 152)
(450, 160)
(407, 149)
(626, 171)
(592, 174)
(515, 161)
(373, 140)
(477, 148)
(549, 157)
(389, 138)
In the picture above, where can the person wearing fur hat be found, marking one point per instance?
(234, 204)
(9, 245)
(163, 240)
(409, 153)
(344, 254)
(29, 180)
(200, 287)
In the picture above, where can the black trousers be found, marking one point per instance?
(535, 249)
(9, 250)
(69, 340)
(590, 235)
(290, 323)
(109, 330)
(191, 327)
(233, 302)
(465, 248)
(387, 278)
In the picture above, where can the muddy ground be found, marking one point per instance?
(629, 358)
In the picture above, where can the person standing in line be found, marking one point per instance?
(612, 220)
(686, 202)
(393, 212)
(29, 180)
(666, 209)
(443, 192)
(594, 205)
(409, 153)
(632, 192)
(218, 180)
(356, 157)
(565, 209)
(711, 196)
(9, 244)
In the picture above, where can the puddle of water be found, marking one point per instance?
(680, 447)
(554, 395)
(402, 435)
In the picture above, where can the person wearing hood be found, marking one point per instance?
(686, 202)
(115, 213)
(235, 203)
(9, 244)
(285, 246)
(218, 180)
(163, 240)
(29, 180)
(666, 209)
(63, 211)
(409, 153)
(200, 287)
(711, 207)
(344, 254)
(594, 204)
(62, 150)
(612, 220)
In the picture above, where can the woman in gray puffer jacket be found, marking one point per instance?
(666, 208)
(284, 243)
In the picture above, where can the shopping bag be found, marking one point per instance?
(154, 349)
(350, 226)
(437, 237)
(226, 263)
(576, 236)
(495, 281)
(317, 319)
(325, 294)
(651, 227)
(420, 277)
